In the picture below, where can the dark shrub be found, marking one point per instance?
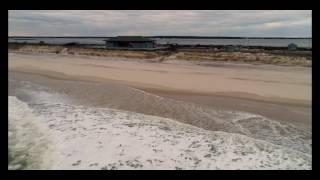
(71, 44)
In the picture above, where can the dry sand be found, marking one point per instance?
(291, 84)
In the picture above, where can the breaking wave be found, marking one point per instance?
(28, 137)
(102, 138)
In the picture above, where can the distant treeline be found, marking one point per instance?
(168, 37)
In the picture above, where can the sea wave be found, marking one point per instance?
(84, 137)
(28, 137)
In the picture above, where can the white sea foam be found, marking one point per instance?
(29, 138)
(101, 138)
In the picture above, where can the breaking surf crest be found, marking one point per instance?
(28, 137)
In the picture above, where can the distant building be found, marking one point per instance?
(134, 42)
(292, 46)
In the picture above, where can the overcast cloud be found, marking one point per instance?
(152, 23)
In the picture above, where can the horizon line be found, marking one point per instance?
(171, 36)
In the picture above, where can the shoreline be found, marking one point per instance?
(74, 70)
(170, 91)
(293, 112)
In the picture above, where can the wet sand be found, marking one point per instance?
(299, 115)
(279, 93)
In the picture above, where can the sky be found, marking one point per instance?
(248, 23)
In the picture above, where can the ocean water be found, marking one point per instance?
(306, 43)
(48, 129)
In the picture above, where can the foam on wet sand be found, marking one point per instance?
(103, 138)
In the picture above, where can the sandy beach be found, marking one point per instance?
(268, 82)
(264, 102)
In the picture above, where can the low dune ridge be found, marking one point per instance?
(285, 58)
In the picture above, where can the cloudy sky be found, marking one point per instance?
(151, 23)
